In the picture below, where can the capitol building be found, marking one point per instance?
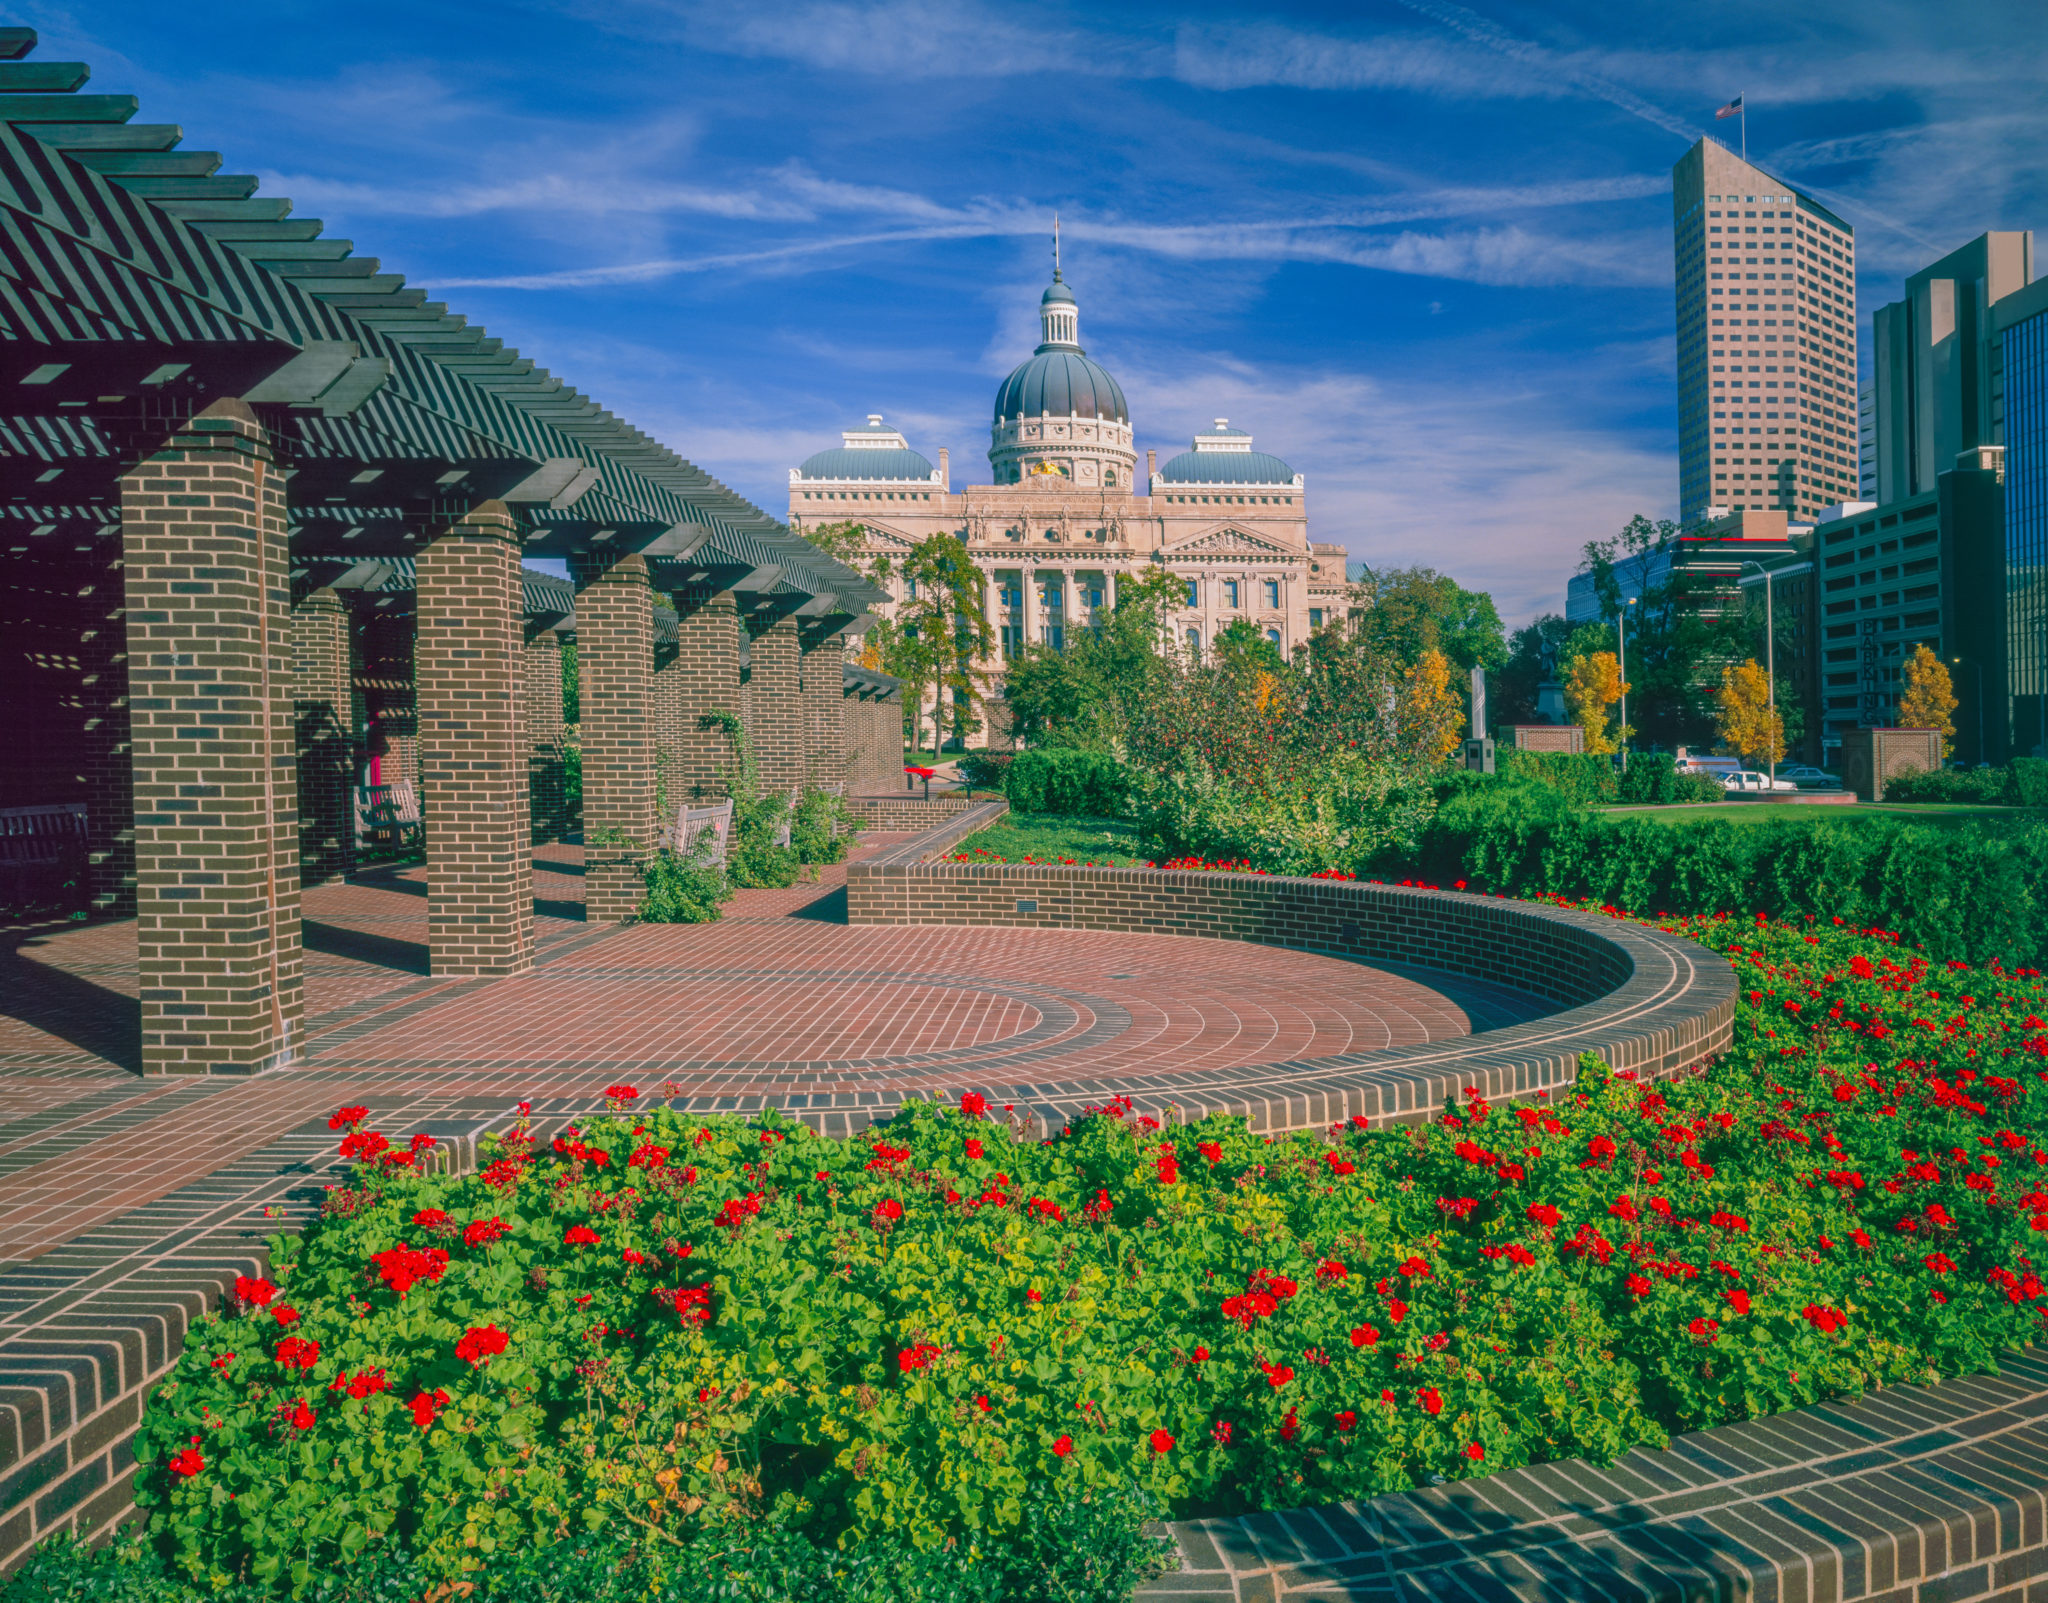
(1069, 512)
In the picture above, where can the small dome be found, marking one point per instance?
(1064, 383)
(1056, 291)
(842, 463)
(1226, 467)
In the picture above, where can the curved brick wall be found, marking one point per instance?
(1640, 999)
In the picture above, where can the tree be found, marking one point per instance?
(1430, 711)
(1746, 722)
(944, 611)
(845, 540)
(1241, 646)
(1592, 685)
(1681, 634)
(1928, 701)
(1086, 694)
(1411, 610)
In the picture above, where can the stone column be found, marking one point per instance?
(208, 584)
(1031, 620)
(546, 737)
(778, 708)
(323, 711)
(469, 686)
(615, 663)
(708, 664)
(824, 675)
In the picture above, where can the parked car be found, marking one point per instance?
(1806, 775)
(1748, 780)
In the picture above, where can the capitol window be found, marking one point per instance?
(1230, 593)
(1194, 592)
(1272, 592)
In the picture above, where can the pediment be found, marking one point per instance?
(1227, 540)
(881, 535)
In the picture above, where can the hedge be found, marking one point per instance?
(2022, 783)
(1975, 894)
(1058, 779)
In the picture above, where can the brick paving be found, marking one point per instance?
(779, 998)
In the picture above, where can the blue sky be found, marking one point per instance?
(1421, 251)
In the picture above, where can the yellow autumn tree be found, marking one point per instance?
(1592, 685)
(1748, 725)
(1928, 701)
(1430, 711)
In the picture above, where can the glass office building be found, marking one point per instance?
(2024, 352)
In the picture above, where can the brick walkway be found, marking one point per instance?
(780, 996)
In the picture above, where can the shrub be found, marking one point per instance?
(719, 1329)
(818, 830)
(1585, 777)
(2021, 783)
(2029, 782)
(1351, 815)
(1979, 785)
(1060, 779)
(985, 770)
(682, 890)
(1653, 777)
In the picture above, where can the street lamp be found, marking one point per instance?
(1621, 627)
(1770, 650)
(1978, 669)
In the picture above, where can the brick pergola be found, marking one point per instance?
(259, 494)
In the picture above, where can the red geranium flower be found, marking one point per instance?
(257, 1292)
(482, 1232)
(479, 1343)
(187, 1463)
(425, 1407)
(622, 1093)
(579, 1236)
(1063, 1447)
(1162, 1442)
(347, 1116)
(296, 1352)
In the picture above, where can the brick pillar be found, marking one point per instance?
(615, 661)
(665, 699)
(546, 737)
(778, 708)
(323, 715)
(109, 758)
(708, 658)
(824, 672)
(209, 671)
(469, 686)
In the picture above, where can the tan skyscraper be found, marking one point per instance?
(1767, 393)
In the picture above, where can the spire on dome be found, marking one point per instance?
(1059, 314)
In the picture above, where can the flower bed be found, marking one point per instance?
(661, 1326)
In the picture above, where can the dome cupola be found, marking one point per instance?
(1059, 412)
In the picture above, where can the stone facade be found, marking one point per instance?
(1070, 518)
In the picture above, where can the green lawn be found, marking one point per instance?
(1052, 837)
(1739, 814)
